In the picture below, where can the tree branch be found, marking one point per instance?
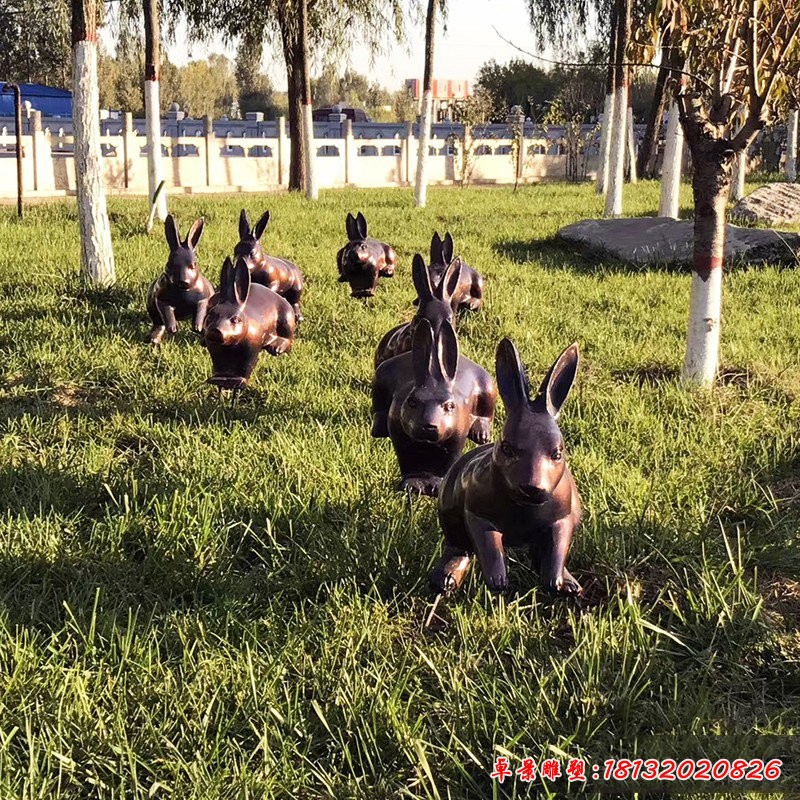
(600, 63)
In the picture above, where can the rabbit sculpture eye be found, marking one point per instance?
(517, 492)
(429, 401)
(275, 273)
(180, 292)
(243, 319)
(433, 304)
(363, 260)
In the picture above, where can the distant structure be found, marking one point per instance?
(323, 113)
(445, 94)
(51, 102)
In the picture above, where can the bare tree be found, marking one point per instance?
(619, 127)
(738, 52)
(97, 256)
(425, 119)
(152, 104)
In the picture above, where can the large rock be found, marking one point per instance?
(661, 240)
(774, 204)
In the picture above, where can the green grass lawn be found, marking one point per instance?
(200, 600)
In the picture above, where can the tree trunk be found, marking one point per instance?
(671, 167)
(97, 256)
(604, 153)
(421, 184)
(630, 133)
(307, 122)
(739, 175)
(648, 149)
(710, 186)
(152, 105)
(293, 57)
(616, 170)
(791, 145)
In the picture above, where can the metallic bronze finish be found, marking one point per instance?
(181, 291)
(517, 492)
(428, 402)
(275, 273)
(363, 260)
(433, 304)
(243, 319)
(468, 295)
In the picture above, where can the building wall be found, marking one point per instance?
(228, 159)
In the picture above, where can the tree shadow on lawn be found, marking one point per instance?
(103, 311)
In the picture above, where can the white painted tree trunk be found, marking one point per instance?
(152, 113)
(616, 167)
(739, 175)
(791, 145)
(604, 154)
(631, 146)
(702, 347)
(310, 151)
(97, 256)
(425, 120)
(671, 167)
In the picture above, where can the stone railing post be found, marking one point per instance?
(406, 155)
(349, 151)
(128, 147)
(36, 147)
(283, 153)
(212, 150)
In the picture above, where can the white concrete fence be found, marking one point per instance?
(204, 162)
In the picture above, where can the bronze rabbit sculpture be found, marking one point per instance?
(243, 319)
(181, 291)
(275, 273)
(516, 492)
(363, 260)
(468, 295)
(434, 305)
(428, 402)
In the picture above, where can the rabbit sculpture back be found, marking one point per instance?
(428, 402)
(516, 492)
(243, 319)
(363, 260)
(278, 274)
(433, 304)
(181, 291)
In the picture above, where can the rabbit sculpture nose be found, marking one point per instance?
(534, 494)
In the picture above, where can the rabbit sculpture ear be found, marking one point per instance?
(557, 383)
(261, 225)
(512, 380)
(436, 249)
(226, 281)
(448, 351)
(421, 351)
(361, 225)
(447, 249)
(350, 225)
(244, 225)
(171, 232)
(449, 284)
(195, 232)
(421, 278)
(241, 282)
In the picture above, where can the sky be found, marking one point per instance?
(468, 42)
